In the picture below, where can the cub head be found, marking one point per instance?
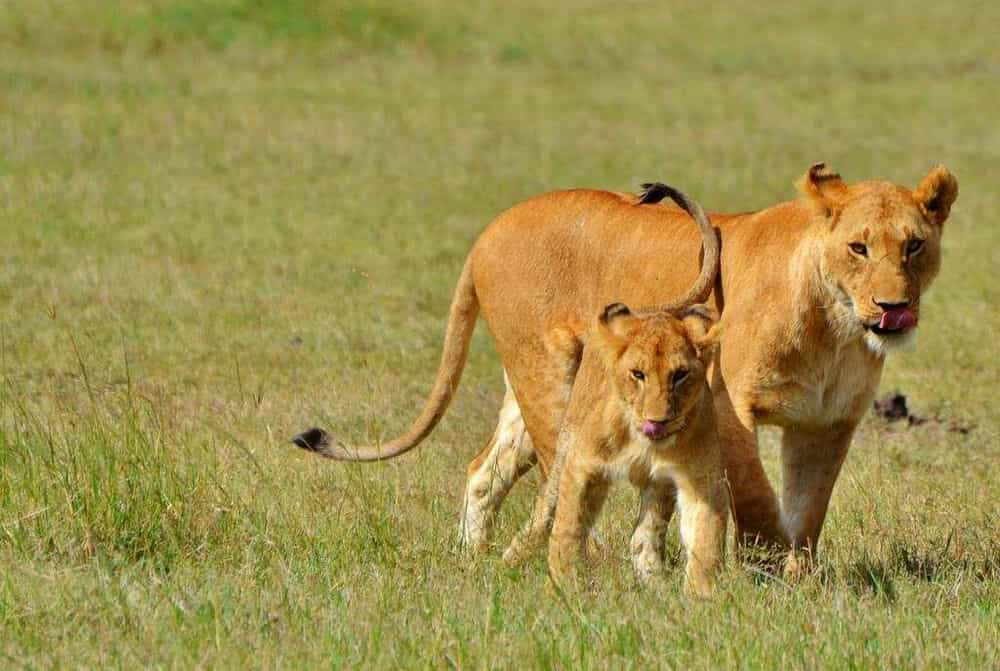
(656, 362)
(880, 248)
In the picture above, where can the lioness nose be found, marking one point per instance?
(891, 305)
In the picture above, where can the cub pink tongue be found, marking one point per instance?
(897, 320)
(654, 430)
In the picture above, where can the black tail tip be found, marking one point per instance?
(653, 192)
(313, 440)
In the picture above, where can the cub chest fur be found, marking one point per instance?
(640, 460)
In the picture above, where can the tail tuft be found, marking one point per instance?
(314, 440)
(461, 322)
(653, 192)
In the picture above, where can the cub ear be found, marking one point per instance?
(822, 186)
(610, 332)
(701, 323)
(612, 318)
(614, 310)
(936, 193)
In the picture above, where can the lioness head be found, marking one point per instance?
(656, 362)
(880, 249)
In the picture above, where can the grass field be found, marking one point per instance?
(223, 222)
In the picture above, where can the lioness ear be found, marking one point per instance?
(936, 193)
(823, 187)
(700, 323)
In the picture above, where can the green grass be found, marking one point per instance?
(222, 222)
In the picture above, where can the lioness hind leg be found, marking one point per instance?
(507, 456)
(543, 377)
(536, 530)
(656, 505)
(539, 525)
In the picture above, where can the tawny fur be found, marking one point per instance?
(635, 368)
(796, 305)
(561, 343)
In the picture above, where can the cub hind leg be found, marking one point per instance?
(656, 506)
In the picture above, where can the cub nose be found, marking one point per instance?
(891, 305)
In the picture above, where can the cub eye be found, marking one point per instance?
(914, 246)
(858, 248)
(680, 375)
(638, 375)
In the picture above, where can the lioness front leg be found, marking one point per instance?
(810, 462)
(647, 545)
(704, 504)
(582, 492)
(755, 505)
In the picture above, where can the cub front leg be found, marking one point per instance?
(582, 492)
(656, 505)
(704, 504)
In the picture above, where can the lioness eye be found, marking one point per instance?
(638, 375)
(914, 246)
(680, 375)
(858, 248)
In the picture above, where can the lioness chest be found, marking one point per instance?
(833, 387)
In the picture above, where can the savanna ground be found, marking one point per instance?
(222, 222)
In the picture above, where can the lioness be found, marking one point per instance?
(812, 293)
(640, 409)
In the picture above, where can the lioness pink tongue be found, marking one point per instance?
(897, 319)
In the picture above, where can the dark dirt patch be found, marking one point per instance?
(893, 408)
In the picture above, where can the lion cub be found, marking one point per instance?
(641, 409)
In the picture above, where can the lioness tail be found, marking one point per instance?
(461, 323)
